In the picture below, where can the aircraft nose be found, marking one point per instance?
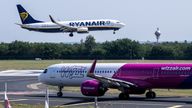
(122, 24)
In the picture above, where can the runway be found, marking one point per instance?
(20, 91)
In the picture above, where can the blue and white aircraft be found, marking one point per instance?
(81, 26)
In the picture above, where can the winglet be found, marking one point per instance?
(92, 69)
(52, 20)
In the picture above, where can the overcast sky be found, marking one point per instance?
(142, 17)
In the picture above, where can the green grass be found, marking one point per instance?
(42, 106)
(26, 106)
(41, 64)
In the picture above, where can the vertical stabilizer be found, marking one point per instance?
(26, 18)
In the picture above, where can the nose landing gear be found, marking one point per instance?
(114, 32)
(71, 34)
(60, 94)
(123, 96)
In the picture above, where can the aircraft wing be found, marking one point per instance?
(63, 27)
(109, 81)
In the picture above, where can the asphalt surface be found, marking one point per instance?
(20, 91)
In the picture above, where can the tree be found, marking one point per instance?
(98, 53)
(188, 52)
(4, 49)
(159, 52)
(89, 44)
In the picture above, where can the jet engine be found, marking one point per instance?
(93, 88)
(82, 30)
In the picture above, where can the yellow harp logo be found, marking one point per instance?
(24, 15)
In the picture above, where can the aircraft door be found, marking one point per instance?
(52, 74)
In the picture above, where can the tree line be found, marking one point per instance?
(90, 49)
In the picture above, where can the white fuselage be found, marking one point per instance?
(90, 25)
(75, 74)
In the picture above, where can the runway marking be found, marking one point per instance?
(87, 103)
(23, 93)
(34, 86)
(15, 100)
(175, 106)
(13, 80)
(131, 103)
(20, 72)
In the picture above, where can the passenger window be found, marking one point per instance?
(45, 71)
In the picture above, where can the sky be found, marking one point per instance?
(142, 17)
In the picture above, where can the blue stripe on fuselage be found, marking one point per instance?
(57, 30)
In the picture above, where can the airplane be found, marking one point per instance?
(81, 26)
(129, 78)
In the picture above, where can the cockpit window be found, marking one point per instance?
(118, 22)
(45, 71)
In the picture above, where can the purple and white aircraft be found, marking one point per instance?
(129, 78)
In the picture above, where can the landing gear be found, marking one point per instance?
(123, 96)
(150, 94)
(60, 94)
(114, 32)
(71, 34)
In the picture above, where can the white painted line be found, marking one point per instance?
(15, 100)
(87, 103)
(20, 72)
(130, 103)
(23, 93)
(34, 86)
(175, 106)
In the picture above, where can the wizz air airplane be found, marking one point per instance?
(129, 78)
(81, 26)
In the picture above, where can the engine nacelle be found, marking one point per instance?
(82, 30)
(92, 88)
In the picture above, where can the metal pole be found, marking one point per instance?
(96, 103)
(47, 98)
(5, 86)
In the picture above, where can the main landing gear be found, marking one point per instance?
(71, 34)
(150, 94)
(123, 96)
(60, 94)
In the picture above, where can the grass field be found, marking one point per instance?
(41, 64)
(38, 106)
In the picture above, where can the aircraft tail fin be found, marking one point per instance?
(26, 18)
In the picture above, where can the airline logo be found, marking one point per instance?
(175, 68)
(72, 72)
(24, 15)
(90, 23)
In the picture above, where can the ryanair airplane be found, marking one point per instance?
(81, 26)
